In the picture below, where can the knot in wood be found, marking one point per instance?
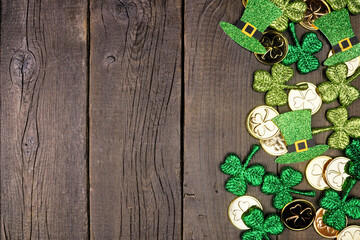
(22, 67)
(123, 9)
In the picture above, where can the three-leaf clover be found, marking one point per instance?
(241, 174)
(353, 5)
(303, 53)
(274, 84)
(281, 186)
(260, 226)
(295, 11)
(338, 208)
(338, 86)
(343, 128)
(353, 153)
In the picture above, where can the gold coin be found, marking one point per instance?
(315, 9)
(275, 146)
(298, 215)
(349, 233)
(335, 174)
(352, 64)
(314, 172)
(305, 99)
(320, 227)
(276, 46)
(259, 122)
(238, 207)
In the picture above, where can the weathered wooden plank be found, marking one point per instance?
(218, 98)
(43, 119)
(135, 98)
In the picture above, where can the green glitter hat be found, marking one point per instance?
(337, 28)
(258, 15)
(295, 127)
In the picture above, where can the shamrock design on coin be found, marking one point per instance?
(350, 236)
(243, 206)
(317, 171)
(306, 99)
(299, 216)
(339, 174)
(275, 146)
(315, 9)
(262, 123)
(276, 47)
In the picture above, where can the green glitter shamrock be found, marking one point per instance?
(353, 5)
(353, 152)
(274, 84)
(241, 174)
(260, 226)
(343, 128)
(295, 11)
(338, 208)
(281, 186)
(338, 86)
(303, 53)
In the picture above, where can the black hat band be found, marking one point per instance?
(301, 146)
(249, 30)
(345, 44)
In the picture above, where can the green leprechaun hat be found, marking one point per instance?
(247, 32)
(337, 28)
(295, 127)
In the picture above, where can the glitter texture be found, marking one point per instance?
(353, 152)
(260, 226)
(338, 208)
(353, 5)
(338, 86)
(295, 11)
(259, 13)
(281, 187)
(303, 53)
(241, 174)
(296, 126)
(336, 26)
(274, 84)
(343, 128)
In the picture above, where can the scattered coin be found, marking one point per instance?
(314, 172)
(349, 233)
(305, 99)
(320, 227)
(315, 9)
(259, 122)
(352, 64)
(238, 207)
(335, 174)
(274, 146)
(298, 215)
(276, 46)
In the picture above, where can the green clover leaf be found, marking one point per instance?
(338, 86)
(343, 128)
(281, 186)
(302, 53)
(295, 11)
(241, 174)
(260, 226)
(353, 5)
(274, 84)
(353, 153)
(338, 208)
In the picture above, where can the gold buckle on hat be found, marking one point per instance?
(341, 44)
(246, 33)
(297, 146)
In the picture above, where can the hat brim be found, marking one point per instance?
(343, 57)
(302, 156)
(249, 43)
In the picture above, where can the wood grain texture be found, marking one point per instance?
(43, 120)
(218, 98)
(135, 106)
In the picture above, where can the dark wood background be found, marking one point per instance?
(115, 116)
